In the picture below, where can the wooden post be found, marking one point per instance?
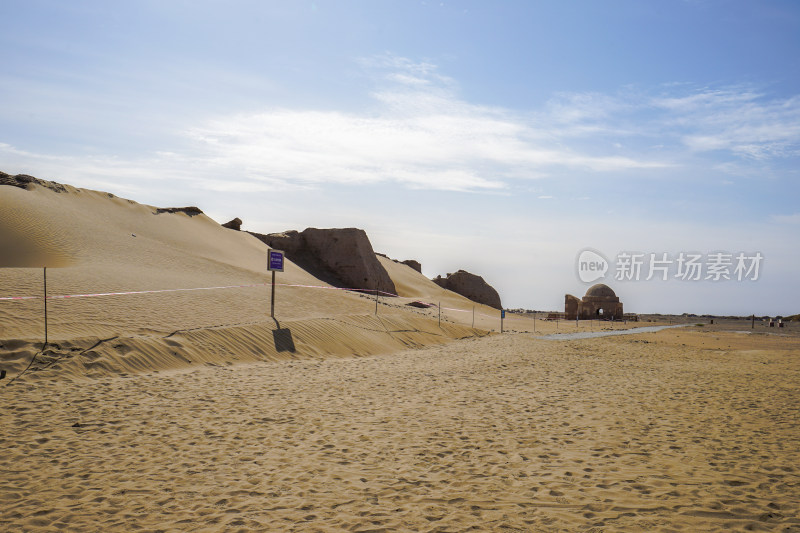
(534, 322)
(272, 298)
(376, 299)
(440, 314)
(753, 322)
(45, 308)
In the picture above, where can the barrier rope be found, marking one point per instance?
(296, 285)
(222, 287)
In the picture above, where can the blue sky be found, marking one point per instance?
(499, 137)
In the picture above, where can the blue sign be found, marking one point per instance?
(275, 261)
(502, 313)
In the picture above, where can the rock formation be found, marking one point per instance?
(420, 304)
(190, 210)
(470, 286)
(236, 224)
(413, 264)
(22, 181)
(340, 256)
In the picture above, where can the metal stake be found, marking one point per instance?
(45, 308)
(272, 298)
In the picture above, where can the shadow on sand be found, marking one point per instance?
(282, 338)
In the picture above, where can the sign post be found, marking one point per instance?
(274, 264)
(502, 316)
(45, 309)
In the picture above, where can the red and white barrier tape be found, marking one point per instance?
(157, 291)
(63, 296)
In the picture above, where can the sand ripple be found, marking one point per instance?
(495, 434)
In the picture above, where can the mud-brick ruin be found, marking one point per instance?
(599, 302)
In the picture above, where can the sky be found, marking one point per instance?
(503, 138)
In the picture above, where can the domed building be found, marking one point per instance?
(599, 302)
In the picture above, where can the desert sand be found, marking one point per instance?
(193, 410)
(680, 430)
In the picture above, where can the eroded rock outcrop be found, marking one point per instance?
(413, 264)
(340, 256)
(470, 286)
(189, 210)
(22, 181)
(235, 224)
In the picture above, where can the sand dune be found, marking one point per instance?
(25, 241)
(94, 242)
(105, 244)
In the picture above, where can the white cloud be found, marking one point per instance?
(572, 108)
(739, 120)
(415, 130)
(731, 124)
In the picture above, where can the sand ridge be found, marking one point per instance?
(178, 272)
(120, 246)
(341, 336)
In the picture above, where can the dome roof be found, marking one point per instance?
(601, 291)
